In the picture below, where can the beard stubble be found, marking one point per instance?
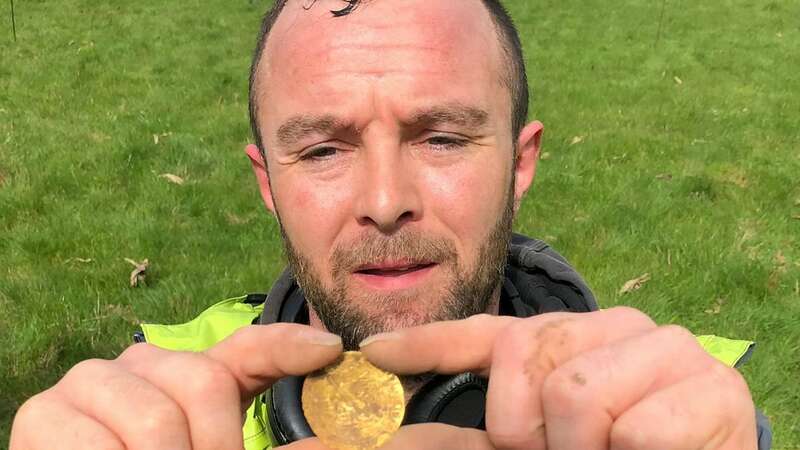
(470, 290)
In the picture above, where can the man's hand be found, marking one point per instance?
(152, 399)
(609, 379)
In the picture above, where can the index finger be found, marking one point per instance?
(443, 347)
(259, 355)
(473, 343)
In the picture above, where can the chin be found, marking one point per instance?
(393, 312)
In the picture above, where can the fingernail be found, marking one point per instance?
(379, 337)
(322, 338)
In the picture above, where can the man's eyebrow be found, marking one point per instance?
(458, 114)
(299, 127)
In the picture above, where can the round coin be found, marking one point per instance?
(353, 405)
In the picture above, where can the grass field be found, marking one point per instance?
(671, 148)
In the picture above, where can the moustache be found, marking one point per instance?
(406, 247)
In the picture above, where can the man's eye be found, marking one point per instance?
(319, 153)
(446, 142)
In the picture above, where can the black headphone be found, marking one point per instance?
(456, 400)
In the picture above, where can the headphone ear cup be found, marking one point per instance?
(286, 419)
(455, 400)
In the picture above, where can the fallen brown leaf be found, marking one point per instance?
(717, 307)
(99, 136)
(172, 178)
(634, 284)
(735, 176)
(80, 260)
(577, 140)
(138, 274)
(233, 219)
(780, 259)
(157, 137)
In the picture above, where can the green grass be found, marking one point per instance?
(688, 170)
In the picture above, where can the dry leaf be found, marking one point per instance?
(157, 137)
(545, 155)
(172, 178)
(677, 80)
(99, 136)
(138, 274)
(634, 284)
(780, 260)
(664, 176)
(233, 219)
(717, 307)
(735, 176)
(80, 260)
(577, 140)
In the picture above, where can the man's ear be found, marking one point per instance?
(262, 175)
(528, 146)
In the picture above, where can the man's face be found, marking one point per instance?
(390, 159)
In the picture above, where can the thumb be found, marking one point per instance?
(424, 436)
(258, 355)
(438, 436)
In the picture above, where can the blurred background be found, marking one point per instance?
(671, 154)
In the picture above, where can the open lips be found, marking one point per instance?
(390, 269)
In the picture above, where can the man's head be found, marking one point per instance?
(393, 154)
(515, 77)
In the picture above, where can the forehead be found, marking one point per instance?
(433, 45)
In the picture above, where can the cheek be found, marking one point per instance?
(469, 199)
(312, 215)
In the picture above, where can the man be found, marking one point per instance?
(392, 148)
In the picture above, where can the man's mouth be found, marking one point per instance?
(393, 269)
(391, 276)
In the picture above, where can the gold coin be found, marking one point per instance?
(353, 405)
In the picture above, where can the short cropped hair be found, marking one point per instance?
(514, 79)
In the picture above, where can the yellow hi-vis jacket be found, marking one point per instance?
(222, 319)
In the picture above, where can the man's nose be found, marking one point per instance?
(388, 196)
